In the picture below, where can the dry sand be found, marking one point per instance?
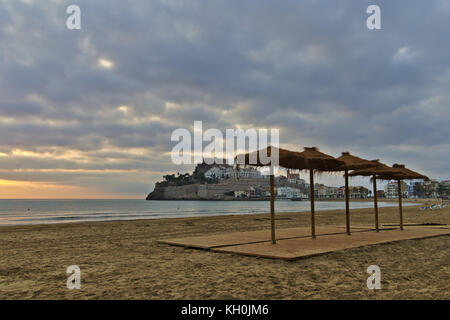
(121, 260)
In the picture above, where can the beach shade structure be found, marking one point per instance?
(401, 173)
(373, 172)
(384, 172)
(319, 162)
(352, 163)
(286, 159)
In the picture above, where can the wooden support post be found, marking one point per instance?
(400, 211)
(375, 201)
(347, 204)
(311, 197)
(272, 206)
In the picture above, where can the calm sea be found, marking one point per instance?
(25, 212)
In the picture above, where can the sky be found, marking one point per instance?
(89, 113)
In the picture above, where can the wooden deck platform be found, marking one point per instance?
(292, 249)
(249, 237)
(296, 243)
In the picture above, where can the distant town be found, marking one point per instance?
(227, 182)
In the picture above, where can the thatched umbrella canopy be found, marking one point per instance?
(352, 163)
(286, 159)
(320, 161)
(408, 174)
(379, 170)
(317, 161)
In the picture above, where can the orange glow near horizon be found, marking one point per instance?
(10, 189)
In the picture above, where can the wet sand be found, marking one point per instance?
(122, 260)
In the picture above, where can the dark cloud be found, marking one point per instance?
(310, 68)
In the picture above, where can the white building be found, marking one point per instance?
(226, 172)
(288, 193)
(248, 173)
(391, 190)
(295, 178)
(220, 172)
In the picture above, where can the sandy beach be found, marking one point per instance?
(121, 260)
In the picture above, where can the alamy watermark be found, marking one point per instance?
(73, 22)
(74, 280)
(374, 281)
(373, 22)
(221, 147)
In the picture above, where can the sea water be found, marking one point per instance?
(26, 212)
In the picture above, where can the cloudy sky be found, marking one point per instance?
(89, 113)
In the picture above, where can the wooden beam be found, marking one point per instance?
(311, 197)
(272, 207)
(375, 201)
(347, 204)
(400, 210)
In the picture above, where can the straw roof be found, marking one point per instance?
(310, 158)
(286, 158)
(355, 163)
(379, 170)
(404, 174)
(320, 161)
(384, 172)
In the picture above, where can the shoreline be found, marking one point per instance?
(390, 201)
